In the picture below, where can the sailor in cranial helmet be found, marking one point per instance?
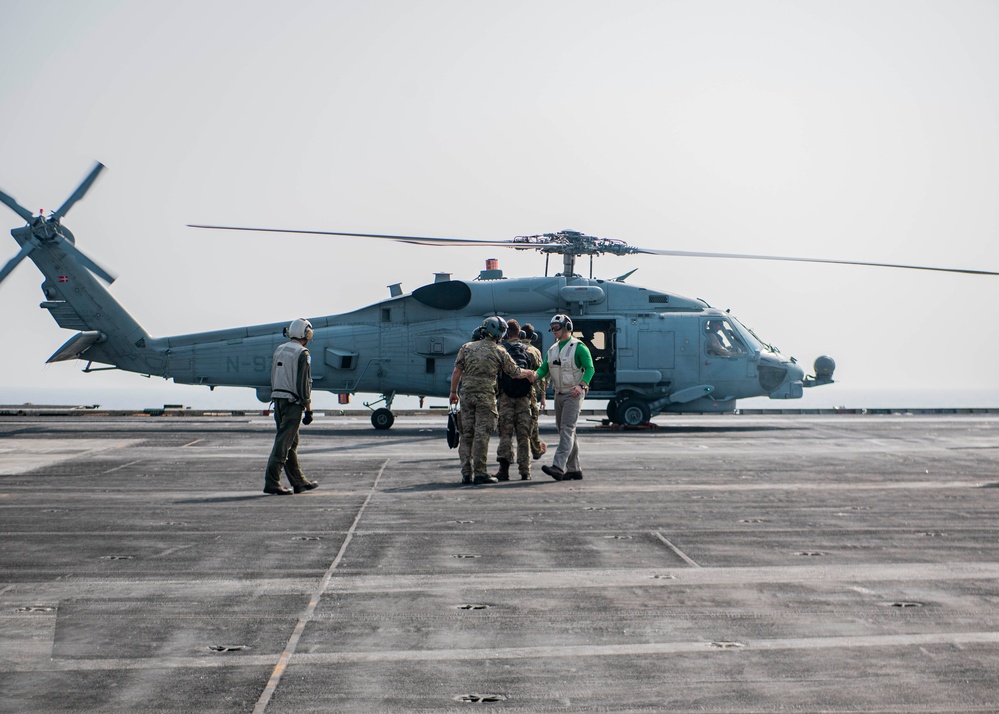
(291, 392)
(475, 369)
(570, 365)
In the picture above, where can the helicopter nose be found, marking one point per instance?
(794, 372)
(780, 377)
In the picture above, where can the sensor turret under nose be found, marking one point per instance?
(824, 368)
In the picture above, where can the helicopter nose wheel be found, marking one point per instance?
(382, 418)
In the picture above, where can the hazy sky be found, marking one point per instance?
(849, 130)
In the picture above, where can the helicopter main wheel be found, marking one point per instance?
(382, 418)
(632, 412)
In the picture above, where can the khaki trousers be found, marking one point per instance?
(566, 415)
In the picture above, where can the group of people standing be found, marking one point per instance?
(501, 377)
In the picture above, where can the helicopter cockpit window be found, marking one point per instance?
(722, 339)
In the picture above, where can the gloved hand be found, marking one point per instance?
(307, 419)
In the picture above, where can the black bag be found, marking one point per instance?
(453, 428)
(511, 386)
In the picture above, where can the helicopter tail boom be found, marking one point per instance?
(78, 301)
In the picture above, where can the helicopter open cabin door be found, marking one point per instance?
(725, 357)
(600, 336)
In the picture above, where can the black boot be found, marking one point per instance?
(555, 472)
(504, 470)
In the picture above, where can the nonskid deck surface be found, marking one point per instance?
(740, 563)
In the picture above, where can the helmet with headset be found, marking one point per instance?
(300, 329)
(494, 326)
(561, 321)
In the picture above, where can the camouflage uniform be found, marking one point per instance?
(480, 362)
(517, 416)
(538, 391)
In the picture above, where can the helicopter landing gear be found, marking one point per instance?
(630, 411)
(382, 418)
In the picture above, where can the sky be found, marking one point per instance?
(855, 130)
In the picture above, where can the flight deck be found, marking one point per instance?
(736, 563)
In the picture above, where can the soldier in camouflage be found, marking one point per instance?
(513, 402)
(529, 337)
(476, 368)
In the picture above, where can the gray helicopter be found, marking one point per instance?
(654, 352)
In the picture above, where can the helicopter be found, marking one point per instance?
(654, 352)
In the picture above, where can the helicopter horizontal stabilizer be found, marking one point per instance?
(76, 345)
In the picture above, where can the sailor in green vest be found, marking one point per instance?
(570, 365)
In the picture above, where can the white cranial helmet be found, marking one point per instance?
(299, 329)
(562, 321)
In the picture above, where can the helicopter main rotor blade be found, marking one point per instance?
(80, 191)
(697, 254)
(21, 255)
(548, 244)
(16, 207)
(417, 240)
(93, 267)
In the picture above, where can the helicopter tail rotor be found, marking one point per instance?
(21, 255)
(16, 207)
(42, 231)
(80, 191)
(89, 263)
